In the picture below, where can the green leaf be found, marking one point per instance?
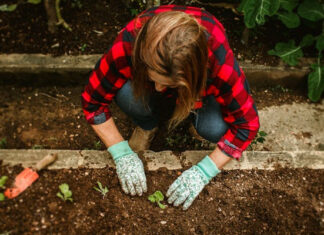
(288, 52)
(3, 180)
(34, 1)
(242, 5)
(60, 196)
(100, 185)
(9, 8)
(288, 5)
(311, 10)
(97, 189)
(262, 133)
(2, 197)
(159, 196)
(320, 42)
(289, 19)
(151, 198)
(307, 40)
(316, 82)
(64, 188)
(256, 10)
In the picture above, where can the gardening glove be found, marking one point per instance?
(130, 169)
(191, 182)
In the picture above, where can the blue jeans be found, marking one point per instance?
(207, 120)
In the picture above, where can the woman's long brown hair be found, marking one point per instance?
(172, 44)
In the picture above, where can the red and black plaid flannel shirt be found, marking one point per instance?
(226, 81)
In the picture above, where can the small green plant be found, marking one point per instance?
(65, 194)
(97, 145)
(38, 146)
(76, 4)
(157, 197)
(83, 47)
(3, 180)
(3, 143)
(2, 197)
(102, 190)
(260, 137)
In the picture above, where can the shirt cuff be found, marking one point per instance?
(229, 149)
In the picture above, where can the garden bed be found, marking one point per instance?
(96, 24)
(51, 117)
(235, 202)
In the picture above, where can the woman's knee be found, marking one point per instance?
(209, 121)
(126, 100)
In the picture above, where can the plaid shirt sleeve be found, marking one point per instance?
(231, 91)
(111, 72)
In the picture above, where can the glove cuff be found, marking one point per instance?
(208, 167)
(120, 149)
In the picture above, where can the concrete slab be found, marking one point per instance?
(293, 127)
(166, 159)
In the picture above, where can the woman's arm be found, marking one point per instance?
(108, 132)
(219, 158)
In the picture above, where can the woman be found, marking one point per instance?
(181, 55)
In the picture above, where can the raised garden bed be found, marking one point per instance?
(235, 202)
(96, 24)
(51, 117)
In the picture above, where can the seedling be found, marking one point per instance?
(102, 190)
(260, 137)
(97, 145)
(3, 180)
(2, 197)
(3, 143)
(83, 47)
(157, 197)
(65, 193)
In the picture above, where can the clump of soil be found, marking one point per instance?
(235, 202)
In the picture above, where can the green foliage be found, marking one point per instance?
(316, 82)
(12, 7)
(289, 52)
(35, 2)
(76, 3)
(255, 11)
(83, 47)
(289, 19)
(65, 194)
(102, 190)
(3, 180)
(316, 78)
(9, 8)
(3, 143)
(157, 197)
(259, 138)
(38, 146)
(311, 10)
(97, 145)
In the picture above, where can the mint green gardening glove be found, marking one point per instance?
(191, 182)
(130, 169)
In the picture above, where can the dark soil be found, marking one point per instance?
(51, 117)
(25, 30)
(284, 201)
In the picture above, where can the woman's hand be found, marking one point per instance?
(130, 169)
(191, 182)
